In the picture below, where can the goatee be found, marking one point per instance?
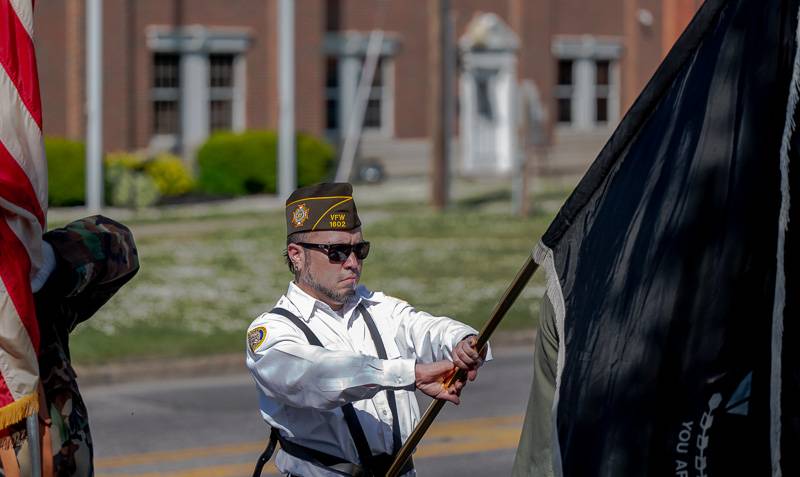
(333, 295)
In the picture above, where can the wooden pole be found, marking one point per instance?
(440, 100)
(510, 295)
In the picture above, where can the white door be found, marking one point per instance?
(486, 119)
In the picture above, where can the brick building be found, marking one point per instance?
(176, 70)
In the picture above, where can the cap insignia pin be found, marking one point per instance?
(300, 215)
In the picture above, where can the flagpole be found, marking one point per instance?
(510, 295)
(32, 425)
(94, 106)
(287, 147)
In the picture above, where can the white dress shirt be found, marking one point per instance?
(301, 387)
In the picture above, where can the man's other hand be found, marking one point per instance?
(466, 357)
(431, 379)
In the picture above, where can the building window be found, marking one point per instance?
(373, 115)
(379, 108)
(221, 92)
(166, 93)
(587, 84)
(198, 84)
(565, 90)
(585, 92)
(332, 94)
(601, 90)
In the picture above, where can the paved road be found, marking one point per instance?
(204, 427)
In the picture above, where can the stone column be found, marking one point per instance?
(194, 101)
(349, 71)
(583, 104)
(614, 103)
(239, 93)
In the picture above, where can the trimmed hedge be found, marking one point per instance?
(232, 164)
(170, 175)
(315, 159)
(131, 179)
(229, 164)
(66, 171)
(126, 182)
(134, 180)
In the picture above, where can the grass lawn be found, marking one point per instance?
(204, 279)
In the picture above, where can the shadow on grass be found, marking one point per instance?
(502, 195)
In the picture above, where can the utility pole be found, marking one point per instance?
(287, 167)
(94, 105)
(441, 66)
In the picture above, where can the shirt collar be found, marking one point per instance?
(301, 300)
(306, 304)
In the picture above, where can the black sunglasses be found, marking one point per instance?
(339, 252)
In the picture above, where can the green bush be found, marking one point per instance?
(237, 164)
(234, 164)
(127, 183)
(66, 171)
(315, 159)
(169, 174)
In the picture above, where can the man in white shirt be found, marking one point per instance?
(335, 364)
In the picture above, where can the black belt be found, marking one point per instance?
(378, 466)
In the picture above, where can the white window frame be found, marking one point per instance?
(565, 92)
(585, 52)
(332, 93)
(604, 91)
(194, 45)
(349, 49)
(160, 93)
(218, 93)
(385, 94)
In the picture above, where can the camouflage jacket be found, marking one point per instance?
(95, 256)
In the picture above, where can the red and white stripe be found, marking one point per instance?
(23, 200)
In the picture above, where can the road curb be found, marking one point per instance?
(229, 363)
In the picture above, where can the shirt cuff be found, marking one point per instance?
(48, 265)
(399, 373)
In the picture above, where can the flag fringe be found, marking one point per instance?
(779, 302)
(543, 255)
(19, 410)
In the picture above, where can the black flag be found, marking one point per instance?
(673, 267)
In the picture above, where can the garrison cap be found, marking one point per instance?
(326, 206)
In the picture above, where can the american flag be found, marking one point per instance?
(23, 205)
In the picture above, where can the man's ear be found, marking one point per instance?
(295, 253)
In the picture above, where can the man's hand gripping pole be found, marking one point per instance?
(510, 295)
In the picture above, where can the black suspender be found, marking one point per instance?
(376, 338)
(310, 336)
(350, 416)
